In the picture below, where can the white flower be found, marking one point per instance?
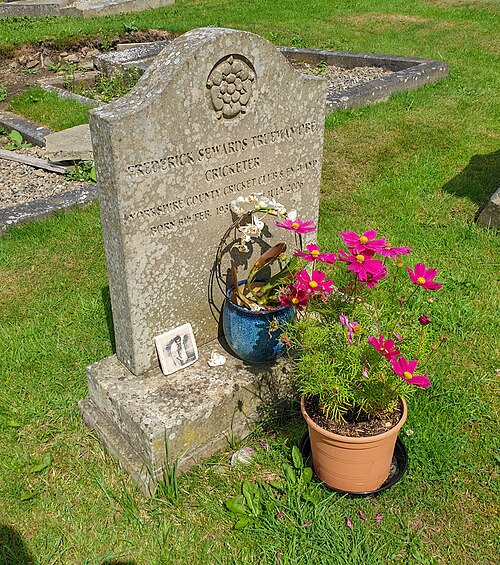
(236, 205)
(249, 231)
(263, 202)
(238, 210)
(259, 224)
(277, 206)
(255, 307)
(245, 238)
(253, 198)
(292, 215)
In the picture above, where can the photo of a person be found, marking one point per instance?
(176, 349)
(181, 351)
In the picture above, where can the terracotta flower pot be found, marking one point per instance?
(352, 464)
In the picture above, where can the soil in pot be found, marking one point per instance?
(356, 424)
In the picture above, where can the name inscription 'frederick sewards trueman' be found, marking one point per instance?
(219, 114)
(186, 158)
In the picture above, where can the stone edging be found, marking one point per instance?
(52, 85)
(43, 207)
(409, 73)
(31, 131)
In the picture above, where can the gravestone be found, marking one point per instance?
(219, 114)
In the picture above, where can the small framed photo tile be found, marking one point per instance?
(176, 349)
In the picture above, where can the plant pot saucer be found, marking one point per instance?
(399, 466)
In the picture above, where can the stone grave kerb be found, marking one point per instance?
(174, 152)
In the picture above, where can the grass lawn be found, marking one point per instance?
(416, 168)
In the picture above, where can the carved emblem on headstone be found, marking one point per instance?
(230, 86)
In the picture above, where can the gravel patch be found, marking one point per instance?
(22, 183)
(340, 79)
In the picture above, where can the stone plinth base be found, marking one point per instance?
(195, 411)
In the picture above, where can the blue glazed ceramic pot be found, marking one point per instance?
(247, 332)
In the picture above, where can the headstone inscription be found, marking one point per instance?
(218, 115)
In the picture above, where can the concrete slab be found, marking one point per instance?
(72, 144)
(30, 8)
(76, 8)
(196, 411)
(96, 8)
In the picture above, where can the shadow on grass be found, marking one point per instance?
(479, 180)
(106, 302)
(13, 550)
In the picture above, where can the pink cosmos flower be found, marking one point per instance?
(294, 297)
(353, 327)
(348, 522)
(361, 515)
(363, 242)
(424, 320)
(389, 251)
(313, 283)
(361, 263)
(384, 346)
(374, 279)
(423, 277)
(398, 336)
(378, 518)
(313, 253)
(405, 370)
(298, 226)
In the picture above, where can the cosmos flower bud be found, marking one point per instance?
(424, 320)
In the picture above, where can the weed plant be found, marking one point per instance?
(108, 89)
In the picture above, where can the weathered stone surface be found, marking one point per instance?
(174, 152)
(32, 132)
(490, 215)
(96, 8)
(71, 144)
(76, 8)
(57, 84)
(30, 8)
(196, 410)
